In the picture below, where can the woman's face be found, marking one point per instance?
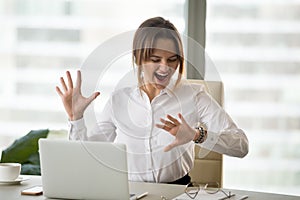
(161, 65)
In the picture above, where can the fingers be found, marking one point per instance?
(181, 118)
(96, 94)
(175, 121)
(78, 80)
(167, 123)
(59, 92)
(163, 127)
(93, 97)
(70, 81)
(63, 84)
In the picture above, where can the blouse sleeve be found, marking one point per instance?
(223, 134)
(104, 129)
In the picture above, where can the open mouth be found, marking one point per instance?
(161, 76)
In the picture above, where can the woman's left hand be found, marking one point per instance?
(182, 131)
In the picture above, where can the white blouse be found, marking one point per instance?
(129, 117)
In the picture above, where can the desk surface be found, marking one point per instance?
(13, 192)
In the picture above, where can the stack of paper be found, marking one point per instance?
(202, 195)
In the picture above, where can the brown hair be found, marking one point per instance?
(145, 37)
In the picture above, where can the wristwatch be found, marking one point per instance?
(202, 134)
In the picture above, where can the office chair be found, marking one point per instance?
(209, 168)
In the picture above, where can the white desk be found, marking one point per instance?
(13, 192)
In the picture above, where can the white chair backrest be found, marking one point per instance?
(209, 168)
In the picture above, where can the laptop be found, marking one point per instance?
(83, 170)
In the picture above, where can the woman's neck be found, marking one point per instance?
(151, 91)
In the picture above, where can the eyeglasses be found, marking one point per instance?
(192, 190)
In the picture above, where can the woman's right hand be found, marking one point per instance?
(74, 103)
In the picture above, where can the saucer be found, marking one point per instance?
(14, 182)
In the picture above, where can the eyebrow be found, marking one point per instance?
(161, 57)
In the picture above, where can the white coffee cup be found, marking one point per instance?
(9, 171)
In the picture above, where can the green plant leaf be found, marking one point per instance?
(30, 169)
(22, 149)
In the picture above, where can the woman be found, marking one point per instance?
(156, 119)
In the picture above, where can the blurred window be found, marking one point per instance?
(256, 46)
(40, 40)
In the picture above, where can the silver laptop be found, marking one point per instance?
(83, 170)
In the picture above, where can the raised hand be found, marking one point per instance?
(74, 103)
(181, 130)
